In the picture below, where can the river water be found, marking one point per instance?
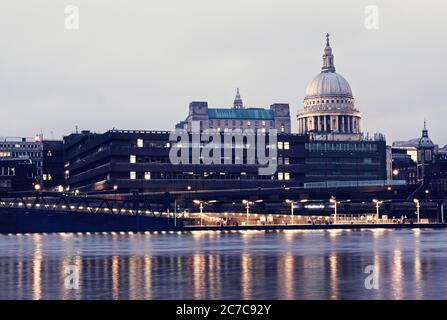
(331, 264)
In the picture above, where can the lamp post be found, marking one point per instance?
(418, 208)
(292, 203)
(334, 201)
(377, 203)
(200, 204)
(247, 206)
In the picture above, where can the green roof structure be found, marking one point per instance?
(247, 113)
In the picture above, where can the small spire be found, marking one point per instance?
(238, 104)
(328, 57)
(425, 130)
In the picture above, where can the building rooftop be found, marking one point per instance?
(246, 113)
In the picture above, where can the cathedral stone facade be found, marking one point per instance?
(329, 112)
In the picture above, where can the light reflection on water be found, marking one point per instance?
(226, 265)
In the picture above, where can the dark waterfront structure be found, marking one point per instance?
(403, 166)
(346, 160)
(17, 174)
(53, 165)
(125, 160)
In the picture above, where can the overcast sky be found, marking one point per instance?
(137, 64)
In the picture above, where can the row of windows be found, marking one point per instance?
(7, 171)
(152, 144)
(241, 123)
(18, 145)
(311, 102)
(7, 154)
(340, 146)
(282, 145)
(237, 160)
(133, 175)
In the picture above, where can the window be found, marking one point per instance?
(248, 123)
(280, 145)
(140, 143)
(283, 128)
(287, 176)
(280, 176)
(133, 159)
(263, 123)
(133, 175)
(49, 153)
(286, 145)
(147, 176)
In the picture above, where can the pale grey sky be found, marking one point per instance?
(137, 64)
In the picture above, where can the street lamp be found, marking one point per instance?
(418, 207)
(247, 206)
(334, 201)
(377, 203)
(200, 204)
(292, 203)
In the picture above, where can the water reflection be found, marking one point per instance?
(239, 265)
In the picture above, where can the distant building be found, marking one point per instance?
(429, 169)
(23, 148)
(17, 174)
(426, 149)
(201, 117)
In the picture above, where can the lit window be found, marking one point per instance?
(283, 128)
(280, 176)
(133, 159)
(140, 143)
(147, 176)
(286, 145)
(263, 123)
(248, 123)
(133, 175)
(287, 176)
(280, 145)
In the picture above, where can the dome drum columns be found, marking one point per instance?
(347, 124)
